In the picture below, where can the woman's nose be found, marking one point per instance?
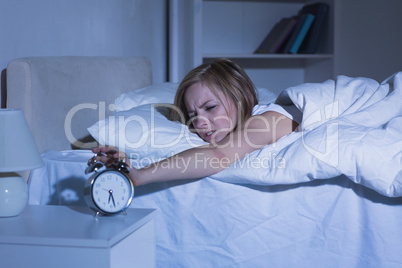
(200, 122)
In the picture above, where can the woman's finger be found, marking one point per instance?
(105, 149)
(109, 154)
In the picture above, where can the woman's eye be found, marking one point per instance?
(210, 107)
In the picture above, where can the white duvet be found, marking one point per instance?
(351, 126)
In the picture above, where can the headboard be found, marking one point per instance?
(62, 96)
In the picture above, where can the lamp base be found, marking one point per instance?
(13, 194)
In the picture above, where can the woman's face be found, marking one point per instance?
(213, 118)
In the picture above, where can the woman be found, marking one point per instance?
(218, 102)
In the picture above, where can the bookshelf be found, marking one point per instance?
(361, 39)
(211, 29)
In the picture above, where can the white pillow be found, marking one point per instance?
(161, 93)
(165, 93)
(145, 133)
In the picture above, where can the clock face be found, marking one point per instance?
(112, 192)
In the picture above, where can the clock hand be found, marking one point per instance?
(111, 197)
(114, 204)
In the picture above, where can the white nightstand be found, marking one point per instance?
(60, 236)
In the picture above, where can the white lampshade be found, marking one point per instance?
(18, 152)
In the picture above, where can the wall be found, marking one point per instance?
(85, 28)
(369, 38)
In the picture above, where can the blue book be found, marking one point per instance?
(299, 33)
(302, 34)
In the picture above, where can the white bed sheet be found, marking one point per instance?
(210, 223)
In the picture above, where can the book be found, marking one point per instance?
(320, 12)
(277, 36)
(304, 23)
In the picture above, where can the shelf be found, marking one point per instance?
(211, 29)
(268, 56)
(265, 1)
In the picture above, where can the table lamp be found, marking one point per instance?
(18, 152)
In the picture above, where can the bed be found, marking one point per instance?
(327, 195)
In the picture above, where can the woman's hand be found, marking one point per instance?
(109, 154)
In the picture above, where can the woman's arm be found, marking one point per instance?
(203, 161)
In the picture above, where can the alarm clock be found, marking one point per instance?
(109, 190)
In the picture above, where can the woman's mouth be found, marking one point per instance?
(207, 136)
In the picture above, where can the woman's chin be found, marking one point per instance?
(216, 138)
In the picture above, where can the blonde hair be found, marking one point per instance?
(223, 76)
